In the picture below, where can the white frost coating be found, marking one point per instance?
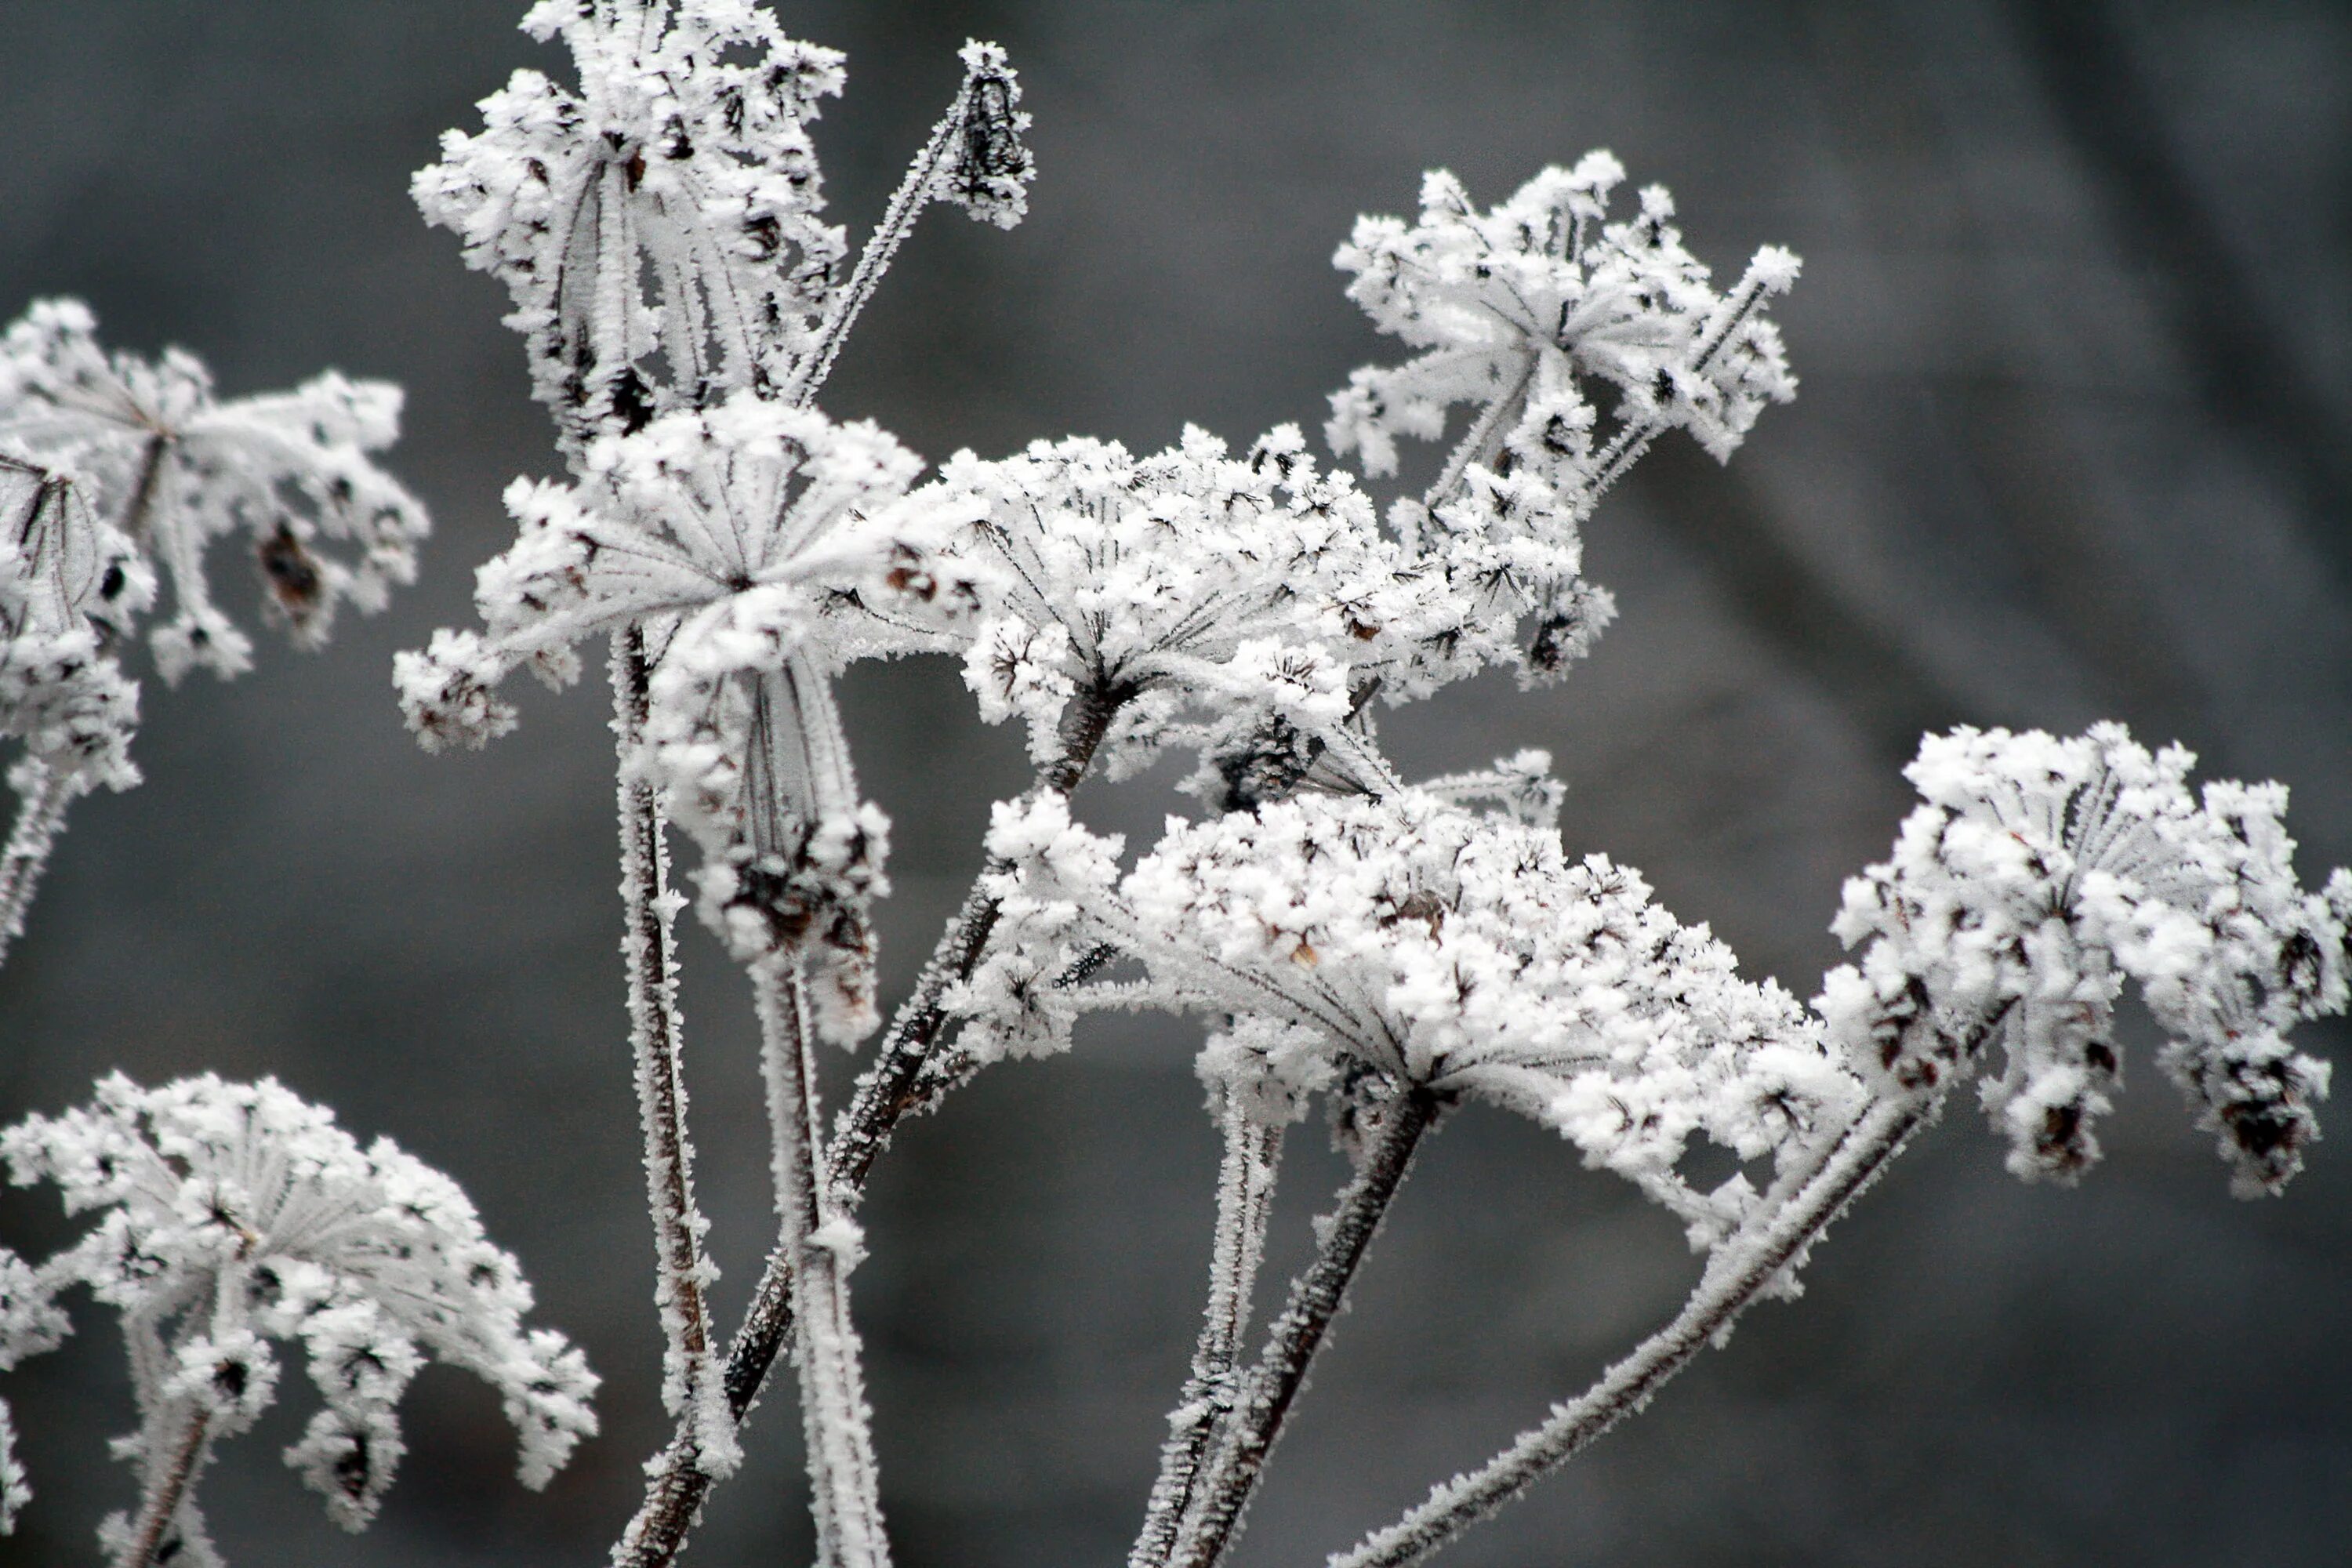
(2040, 873)
(1246, 606)
(233, 1216)
(1512, 311)
(761, 547)
(1464, 954)
(30, 1323)
(819, 1245)
(667, 207)
(71, 586)
(173, 468)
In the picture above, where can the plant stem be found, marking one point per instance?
(895, 1087)
(40, 816)
(649, 952)
(817, 1244)
(1245, 1202)
(1272, 1386)
(165, 1493)
(1741, 1273)
(906, 204)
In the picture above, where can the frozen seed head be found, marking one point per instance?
(2040, 874)
(1464, 954)
(170, 467)
(667, 208)
(1519, 311)
(230, 1218)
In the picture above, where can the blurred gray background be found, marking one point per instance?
(2075, 336)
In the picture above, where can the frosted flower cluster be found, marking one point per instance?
(231, 1218)
(2037, 877)
(1515, 312)
(172, 466)
(669, 205)
(70, 588)
(763, 546)
(1464, 954)
(1246, 605)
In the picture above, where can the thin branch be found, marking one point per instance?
(40, 816)
(818, 1245)
(1245, 1202)
(1274, 1382)
(166, 1493)
(1739, 1275)
(904, 1080)
(921, 185)
(649, 951)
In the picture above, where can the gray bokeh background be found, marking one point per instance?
(2075, 335)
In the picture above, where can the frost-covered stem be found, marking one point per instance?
(165, 1493)
(894, 1088)
(898, 1085)
(1244, 1202)
(817, 1245)
(650, 953)
(906, 204)
(1479, 443)
(40, 816)
(1742, 1272)
(1272, 1386)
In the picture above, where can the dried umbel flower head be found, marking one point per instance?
(669, 205)
(172, 467)
(1514, 311)
(231, 1218)
(760, 547)
(1230, 604)
(1464, 954)
(2039, 875)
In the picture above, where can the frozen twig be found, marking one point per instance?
(167, 1491)
(40, 814)
(1272, 1385)
(1244, 1202)
(896, 1085)
(973, 157)
(818, 1245)
(691, 1386)
(1741, 1273)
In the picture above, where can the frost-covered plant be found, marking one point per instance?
(1518, 311)
(232, 1216)
(1383, 949)
(112, 466)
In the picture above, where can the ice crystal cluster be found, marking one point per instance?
(232, 1218)
(1346, 940)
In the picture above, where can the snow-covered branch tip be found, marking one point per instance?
(230, 1216)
